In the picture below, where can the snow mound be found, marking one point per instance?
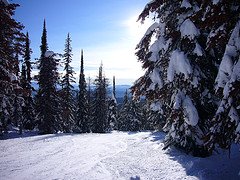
(190, 112)
(49, 53)
(157, 46)
(179, 63)
(156, 79)
(152, 28)
(198, 50)
(156, 106)
(188, 29)
(186, 4)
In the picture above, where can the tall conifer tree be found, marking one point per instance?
(10, 37)
(112, 109)
(82, 118)
(49, 115)
(100, 122)
(68, 104)
(29, 110)
(179, 76)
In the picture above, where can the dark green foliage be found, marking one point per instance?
(223, 22)
(28, 110)
(82, 120)
(112, 109)
(11, 41)
(130, 115)
(100, 106)
(47, 100)
(177, 73)
(66, 94)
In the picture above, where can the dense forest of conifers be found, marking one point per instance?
(191, 58)
(55, 107)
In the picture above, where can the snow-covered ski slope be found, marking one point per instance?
(115, 155)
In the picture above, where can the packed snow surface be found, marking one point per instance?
(115, 155)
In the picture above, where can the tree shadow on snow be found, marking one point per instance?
(15, 134)
(217, 166)
(132, 132)
(157, 136)
(48, 137)
(135, 178)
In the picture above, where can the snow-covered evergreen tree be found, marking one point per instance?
(82, 116)
(10, 38)
(130, 115)
(178, 74)
(89, 105)
(49, 114)
(100, 105)
(67, 99)
(29, 116)
(222, 18)
(154, 119)
(112, 109)
(123, 113)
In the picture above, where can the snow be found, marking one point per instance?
(156, 106)
(238, 130)
(188, 29)
(190, 111)
(233, 115)
(215, 2)
(114, 98)
(159, 44)
(198, 50)
(156, 79)
(186, 4)
(179, 63)
(149, 30)
(49, 53)
(13, 77)
(116, 155)
(178, 100)
(236, 72)
(225, 71)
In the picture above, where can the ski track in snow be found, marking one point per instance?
(116, 155)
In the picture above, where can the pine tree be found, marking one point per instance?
(82, 116)
(131, 115)
(154, 117)
(179, 75)
(123, 114)
(28, 109)
(49, 119)
(222, 20)
(10, 38)
(89, 105)
(112, 109)
(100, 103)
(68, 103)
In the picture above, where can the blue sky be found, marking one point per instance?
(106, 30)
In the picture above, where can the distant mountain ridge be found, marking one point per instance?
(120, 89)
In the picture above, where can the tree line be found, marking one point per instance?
(57, 106)
(191, 83)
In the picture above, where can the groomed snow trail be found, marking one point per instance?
(116, 155)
